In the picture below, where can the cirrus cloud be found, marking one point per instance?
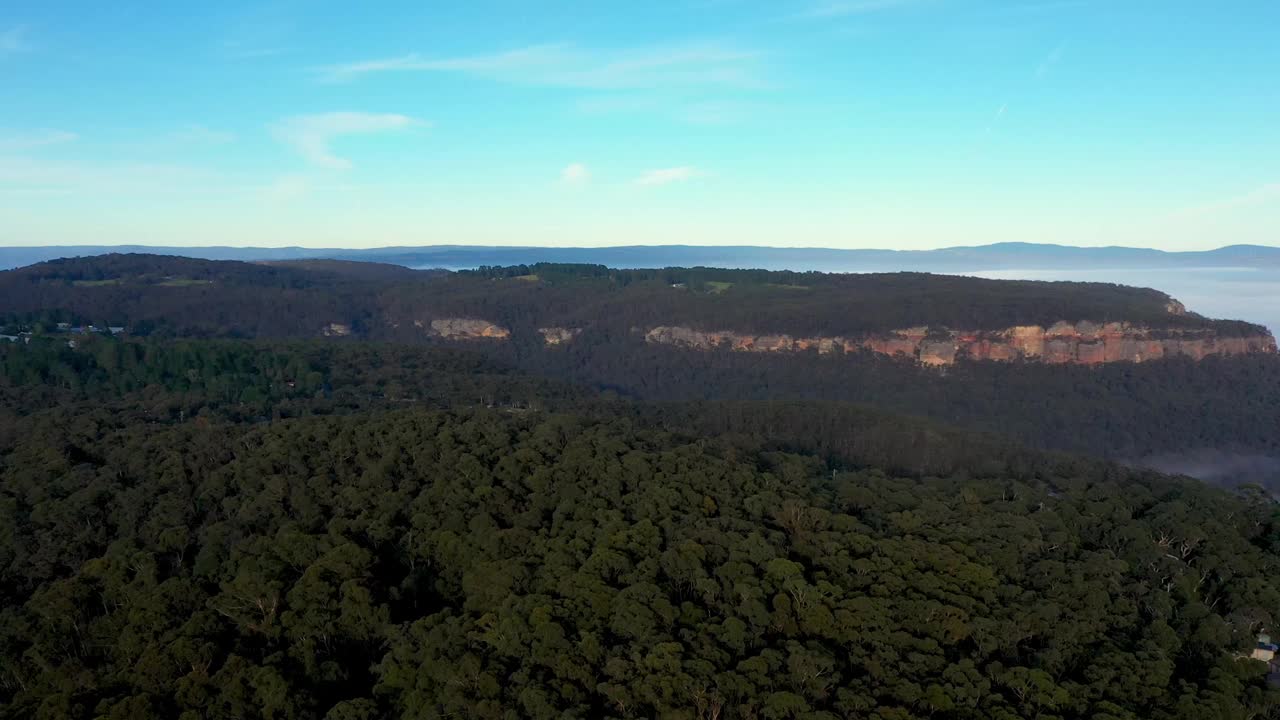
(312, 136)
(703, 65)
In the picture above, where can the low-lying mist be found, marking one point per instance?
(1219, 467)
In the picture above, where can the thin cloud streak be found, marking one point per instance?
(566, 66)
(312, 136)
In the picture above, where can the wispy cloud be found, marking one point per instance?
(666, 176)
(312, 136)
(524, 60)
(575, 174)
(14, 40)
(566, 66)
(28, 140)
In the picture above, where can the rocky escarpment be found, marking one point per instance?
(1083, 343)
(475, 329)
(558, 335)
(466, 329)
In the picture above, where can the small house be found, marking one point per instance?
(1265, 650)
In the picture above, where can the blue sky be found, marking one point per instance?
(840, 123)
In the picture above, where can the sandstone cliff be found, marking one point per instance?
(1083, 343)
(466, 329)
(558, 335)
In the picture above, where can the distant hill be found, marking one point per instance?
(955, 259)
(384, 301)
(348, 268)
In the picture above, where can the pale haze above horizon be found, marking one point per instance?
(900, 124)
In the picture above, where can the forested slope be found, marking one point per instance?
(299, 299)
(1120, 411)
(864, 412)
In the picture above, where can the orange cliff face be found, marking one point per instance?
(1082, 343)
(552, 336)
(465, 329)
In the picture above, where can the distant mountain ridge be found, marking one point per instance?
(935, 318)
(999, 256)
